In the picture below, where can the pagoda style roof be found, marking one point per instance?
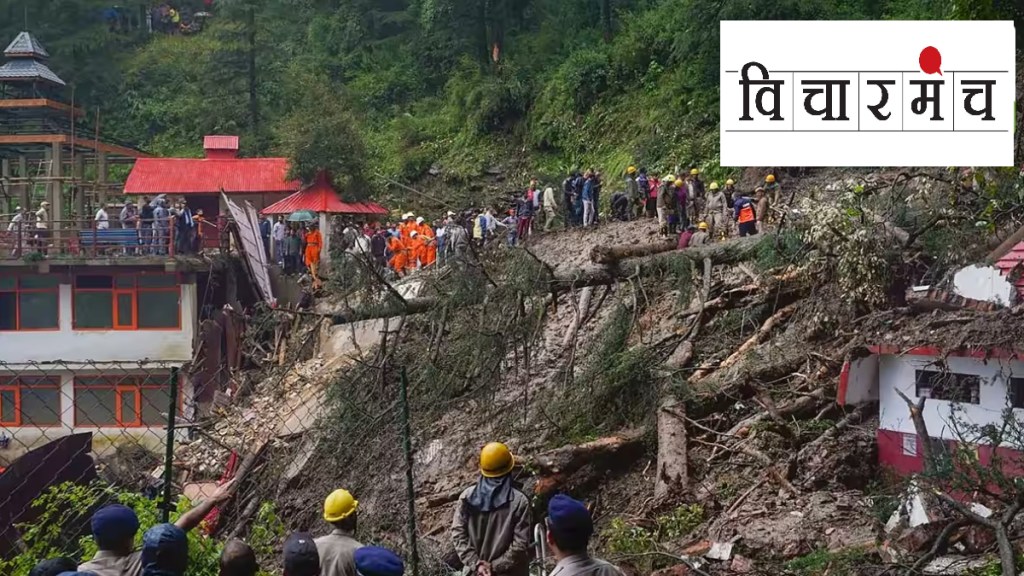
(26, 45)
(28, 70)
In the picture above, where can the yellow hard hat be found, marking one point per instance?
(339, 505)
(670, 178)
(694, 172)
(714, 186)
(631, 170)
(703, 226)
(678, 182)
(496, 460)
(729, 182)
(770, 178)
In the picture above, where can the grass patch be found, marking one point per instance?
(819, 562)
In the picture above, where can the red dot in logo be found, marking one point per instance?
(930, 60)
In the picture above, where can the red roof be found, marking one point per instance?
(321, 197)
(1006, 264)
(209, 176)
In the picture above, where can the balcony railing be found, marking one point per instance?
(73, 239)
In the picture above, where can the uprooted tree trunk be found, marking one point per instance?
(999, 522)
(727, 252)
(555, 467)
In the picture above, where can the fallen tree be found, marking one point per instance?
(655, 262)
(725, 252)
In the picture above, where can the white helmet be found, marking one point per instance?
(419, 220)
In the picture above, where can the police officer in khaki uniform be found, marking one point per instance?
(491, 527)
(569, 530)
(338, 549)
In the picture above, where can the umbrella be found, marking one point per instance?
(303, 216)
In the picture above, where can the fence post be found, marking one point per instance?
(414, 559)
(172, 414)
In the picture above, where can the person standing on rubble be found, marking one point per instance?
(114, 528)
(633, 194)
(717, 210)
(491, 527)
(745, 215)
(569, 528)
(337, 549)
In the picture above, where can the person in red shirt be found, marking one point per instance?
(684, 238)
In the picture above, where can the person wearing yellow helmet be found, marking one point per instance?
(696, 195)
(337, 549)
(701, 236)
(491, 527)
(716, 210)
(772, 189)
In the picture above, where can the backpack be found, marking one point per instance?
(642, 185)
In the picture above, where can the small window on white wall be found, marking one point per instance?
(1017, 392)
(910, 445)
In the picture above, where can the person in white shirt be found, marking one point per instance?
(278, 234)
(19, 217)
(102, 220)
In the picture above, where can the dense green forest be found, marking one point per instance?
(392, 88)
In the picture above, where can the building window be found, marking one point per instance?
(126, 401)
(909, 444)
(961, 388)
(30, 401)
(127, 302)
(1017, 392)
(29, 302)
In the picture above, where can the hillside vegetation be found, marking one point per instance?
(395, 89)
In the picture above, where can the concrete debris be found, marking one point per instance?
(741, 565)
(951, 565)
(720, 551)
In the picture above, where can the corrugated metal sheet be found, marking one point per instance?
(321, 197)
(215, 142)
(249, 233)
(1009, 262)
(209, 176)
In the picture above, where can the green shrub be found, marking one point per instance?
(69, 505)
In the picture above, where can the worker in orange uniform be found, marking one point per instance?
(407, 226)
(745, 215)
(426, 233)
(314, 241)
(399, 259)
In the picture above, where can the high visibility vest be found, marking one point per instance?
(746, 213)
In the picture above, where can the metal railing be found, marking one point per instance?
(70, 239)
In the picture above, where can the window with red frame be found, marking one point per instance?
(30, 401)
(124, 401)
(29, 302)
(126, 302)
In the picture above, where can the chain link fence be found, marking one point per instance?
(292, 405)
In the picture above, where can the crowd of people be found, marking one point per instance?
(685, 207)
(179, 18)
(491, 533)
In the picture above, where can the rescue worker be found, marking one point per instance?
(491, 526)
(632, 190)
(114, 528)
(701, 236)
(407, 225)
(761, 208)
(164, 551)
(428, 252)
(697, 192)
(745, 216)
(730, 191)
(337, 549)
(399, 258)
(237, 559)
(301, 557)
(376, 561)
(314, 241)
(772, 189)
(717, 210)
(569, 528)
(666, 203)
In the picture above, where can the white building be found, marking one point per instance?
(969, 387)
(91, 348)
